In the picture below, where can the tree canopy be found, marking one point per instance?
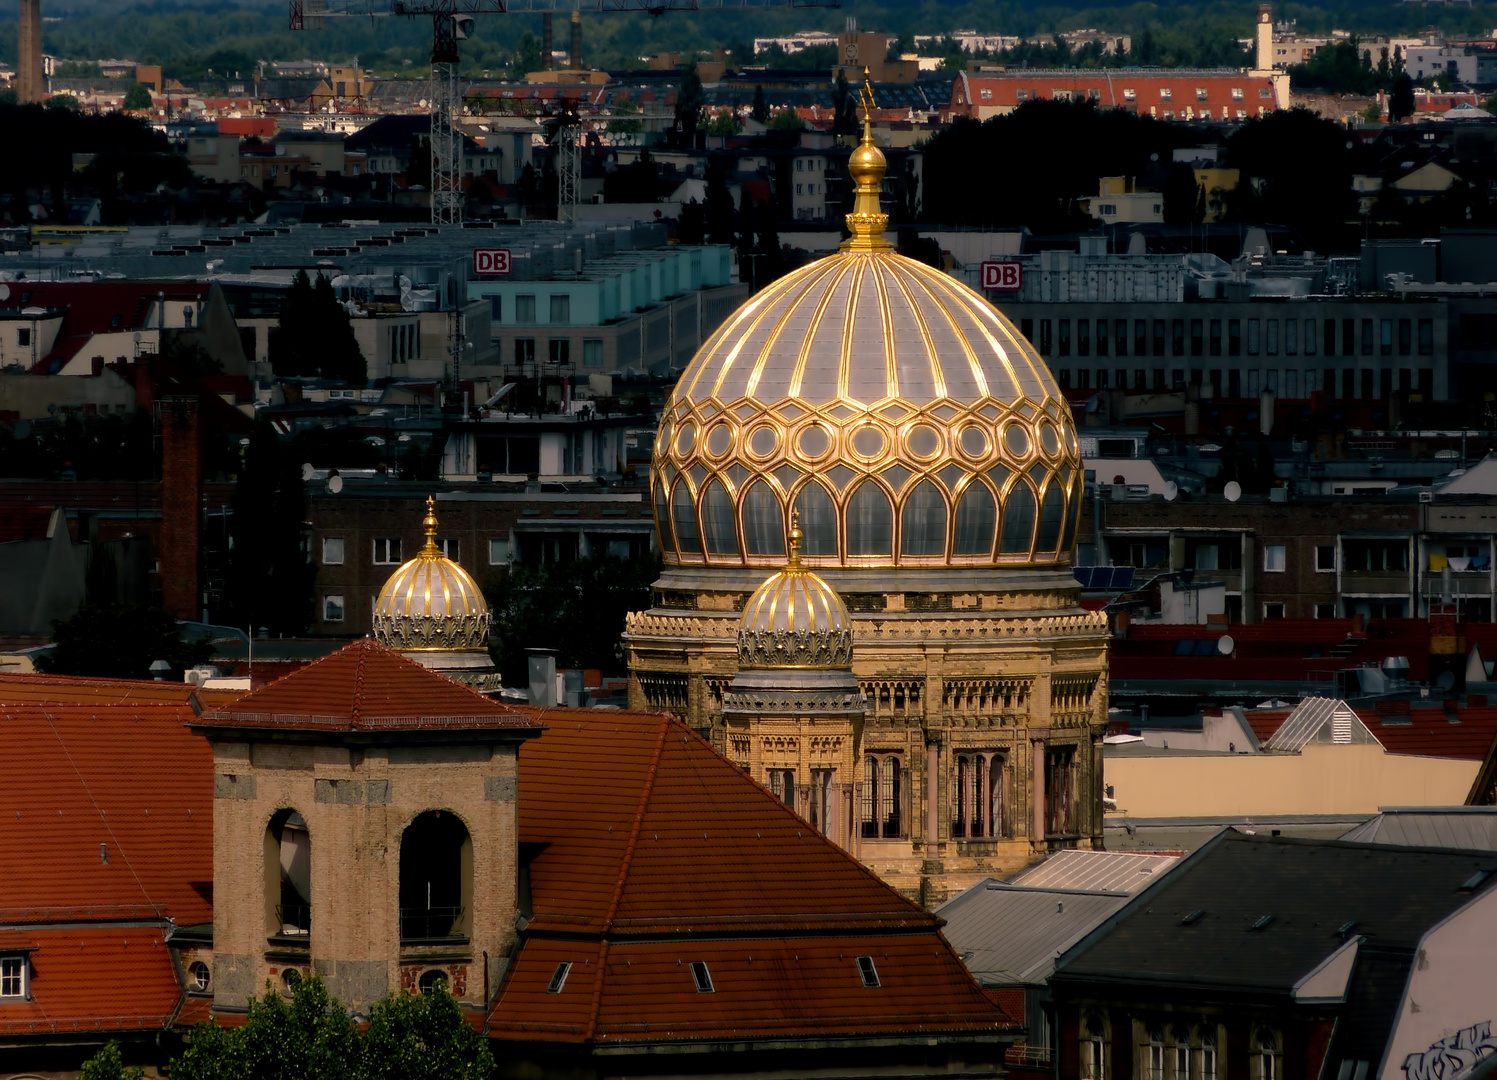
(269, 582)
(121, 641)
(314, 336)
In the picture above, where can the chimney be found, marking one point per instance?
(181, 498)
(546, 42)
(30, 86)
(575, 56)
(1264, 54)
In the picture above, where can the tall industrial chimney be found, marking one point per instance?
(546, 42)
(575, 56)
(1263, 51)
(29, 84)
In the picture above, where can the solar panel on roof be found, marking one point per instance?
(1122, 577)
(1083, 574)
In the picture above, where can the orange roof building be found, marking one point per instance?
(1221, 96)
(589, 883)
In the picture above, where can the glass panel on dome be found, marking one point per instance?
(923, 522)
(1052, 517)
(763, 521)
(839, 475)
(951, 475)
(683, 516)
(913, 361)
(895, 476)
(717, 520)
(976, 520)
(818, 520)
(662, 516)
(867, 356)
(978, 324)
(787, 476)
(870, 521)
(762, 440)
(1073, 521)
(1018, 520)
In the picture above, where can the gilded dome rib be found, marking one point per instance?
(818, 315)
(933, 358)
(952, 305)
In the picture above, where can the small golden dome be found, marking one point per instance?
(795, 619)
(431, 602)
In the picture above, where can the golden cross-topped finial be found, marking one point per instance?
(865, 98)
(795, 537)
(430, 524)
(867, 166)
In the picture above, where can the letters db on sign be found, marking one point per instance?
(491, 260)
(1002, 276)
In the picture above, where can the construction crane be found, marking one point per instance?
(452, 22)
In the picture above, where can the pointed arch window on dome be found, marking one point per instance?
(818, 520)
(764, 521)
(870, 521)
(718, 526)
(976, 521)
(1052, 517)
(684, 517)
(922, 527)
(1018, 520)
(663, 515)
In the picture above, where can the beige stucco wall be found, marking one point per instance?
(1356, 779)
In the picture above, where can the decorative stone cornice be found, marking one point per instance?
(642, 625)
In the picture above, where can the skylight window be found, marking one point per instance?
(1476, 880)
(1193, 918)
(1263, 922)
(559, 977)
(868, 972)
(702, 977)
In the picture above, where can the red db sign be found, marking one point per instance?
(1002, 276)
(491, 260)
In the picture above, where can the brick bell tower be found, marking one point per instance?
(365, 829)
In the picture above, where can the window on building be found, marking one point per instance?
(436, 878)
(332, 551)
(499, 551)
(701, 977)
(592, 352)
(332, 607)
(199, 978)
(1060, 791)
(1325, 611)
(23, 337)
(782, 784)
(1045, 339)
(1374, 556)
(1166, 93)
(870, 521)
(1158, 335)
(922, 527)
(1405, 337)
(1197, 337)
(288, 876)
(1208, 1057)
(1273, 558)
(1083, 337)
(13, 972)
(1121, 341)
(822, 808)
(559, 351)
(525, 308)
(1366, 337)
(1094, 1040)
(1216, 337)
(1236, 93)
(559, 977)
(1130, 94)
(1385, 337)
(977, 809)
(387, 551)
(1064, 336)
(1266, 1056)
(496, 309)
(1426, 337)
(1325, 558)
(1182, 1056)
(1273, 611)
(1154, 1055)
(524, 350)
(868, 972)
(883, 795)
(1177, 337)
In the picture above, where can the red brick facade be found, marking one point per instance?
(181, 496)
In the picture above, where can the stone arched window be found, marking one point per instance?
(288, 876)
(1095, 1040)
(1267, 1055)
(763, 521)
(870, 521)
(436, 878)
(922, 521)
(818, 520)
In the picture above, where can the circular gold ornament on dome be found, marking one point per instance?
(973, 441)
(868, 442)
(719, 440)
(686, 438)
(762, 441)
(814, 442)
(923, 441)
(1049, 439)
(1016, 440)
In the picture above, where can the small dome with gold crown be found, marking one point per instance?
(431, 603)
(795, 619)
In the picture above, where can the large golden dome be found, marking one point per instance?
(431, 602)
(795, 619)
(904, 417)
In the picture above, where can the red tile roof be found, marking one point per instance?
(1430, 732)
(1200, 95)
(99, 978)
(127, 776)
(365, 686)
(676, 856)
(42, 689)
(93, 306)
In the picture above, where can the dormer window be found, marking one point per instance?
(701, 977)
(13, 978)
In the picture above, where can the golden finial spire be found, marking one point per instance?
(867, 166)
(430, 524)
(795, 537)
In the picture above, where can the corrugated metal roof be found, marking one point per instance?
(1467, 828)
(1307, 720)
(1008, 935)
(1096, 871)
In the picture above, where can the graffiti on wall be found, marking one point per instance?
(1453, 1056)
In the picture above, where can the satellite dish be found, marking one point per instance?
(1446, 681)
(1171, 491)
(307, 471)
(4, 292)
(1233, 491)
(334, 484)
(1225, 645)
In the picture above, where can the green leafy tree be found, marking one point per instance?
(691, 100)
(423, 1037)
(109, 1064)
(845, 106)
(527, 56)
(138, 96)
(787, 119)
(760, 109)
(314, 336)
(724, 122)
(1374, 112)
(64, 102)
(576, 607)
(625, 119)
(772, 259)
(719, 208)
(308, 1038)
(121, 641)
(1180, 194)
(1401, 99)
(270, 578)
